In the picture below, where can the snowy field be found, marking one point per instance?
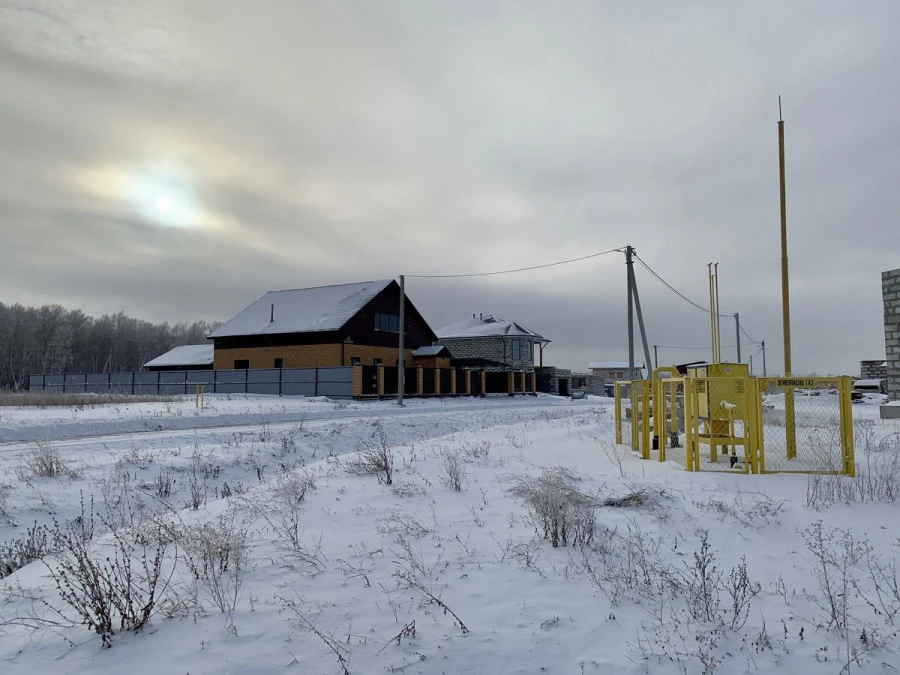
(511, 536)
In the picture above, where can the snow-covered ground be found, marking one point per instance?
(415, 576)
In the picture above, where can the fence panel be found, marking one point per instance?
(721, 431)
(172, 382)
(146, 383)
(97, 383)
(121, 383)
(806, 425)
(230, 382)
(624, 422)
(75, 383)
(670, 416)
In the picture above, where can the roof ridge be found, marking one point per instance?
(313, 288)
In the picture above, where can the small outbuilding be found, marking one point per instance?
(185, 357)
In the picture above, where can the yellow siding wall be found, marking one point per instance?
(308, 356)
(305, 356)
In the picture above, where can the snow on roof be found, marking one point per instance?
(302, 310)
(613, 365)
(186, 355)
(486, 326)
(432, 350)
(867, 383)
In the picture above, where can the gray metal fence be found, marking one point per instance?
(331, 382)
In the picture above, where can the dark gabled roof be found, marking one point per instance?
(302, 310)
(432, 350)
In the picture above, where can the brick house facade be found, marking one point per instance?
(890, 293)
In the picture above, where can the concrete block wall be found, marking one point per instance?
(497, 348)
(890, 292)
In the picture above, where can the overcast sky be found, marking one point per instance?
(177, 159)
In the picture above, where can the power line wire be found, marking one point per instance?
(699, 348)
(671, 287)
(520, 269)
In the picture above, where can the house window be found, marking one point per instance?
(279, 363)
(241, 364)
(377, 362)
(354, 360)
(515, 350)
(387, 323)
(620, 375)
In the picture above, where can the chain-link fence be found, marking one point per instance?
(806, 425)
(740, 424)
(668, 423)
(720, 430)
(623, 408)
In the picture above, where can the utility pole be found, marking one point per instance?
(629, 265)
(751, 365)
(640, 316)
(785, 295)
(655, 357)
(737, 329)
(764, 358)
(401, 371)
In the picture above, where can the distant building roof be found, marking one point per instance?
(486, 325)
(613, 365)
(302, 310)
(867, 383)
(186, 355)
(431, 350)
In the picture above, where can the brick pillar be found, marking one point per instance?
(380, 376)
(468, 382)
(437, 381)
(357, 381)
(420, 380)
(453, 381)
(483, 383)
(511, 378)
(524, 391)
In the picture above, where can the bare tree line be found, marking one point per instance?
(52, 339)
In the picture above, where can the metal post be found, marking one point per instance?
(789, 420)
(655, 357)
(764, 358)
(640, 316)
(401, 370)
(737, 328)
(629, 263)
(751, 365)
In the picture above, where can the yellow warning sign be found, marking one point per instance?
(795, 382)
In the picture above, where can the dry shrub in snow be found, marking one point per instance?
(280, 505)
(32, 546)
(477, 449)
(374, 458)
(217, 555)
(112, 586)
(403, 525)
(559, 510)
(453, 471)
(5, 515)
(877, 474)
(44, 461)
(413, 573)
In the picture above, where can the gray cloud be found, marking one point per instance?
(329, 142)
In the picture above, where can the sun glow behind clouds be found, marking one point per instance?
(160, 195)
